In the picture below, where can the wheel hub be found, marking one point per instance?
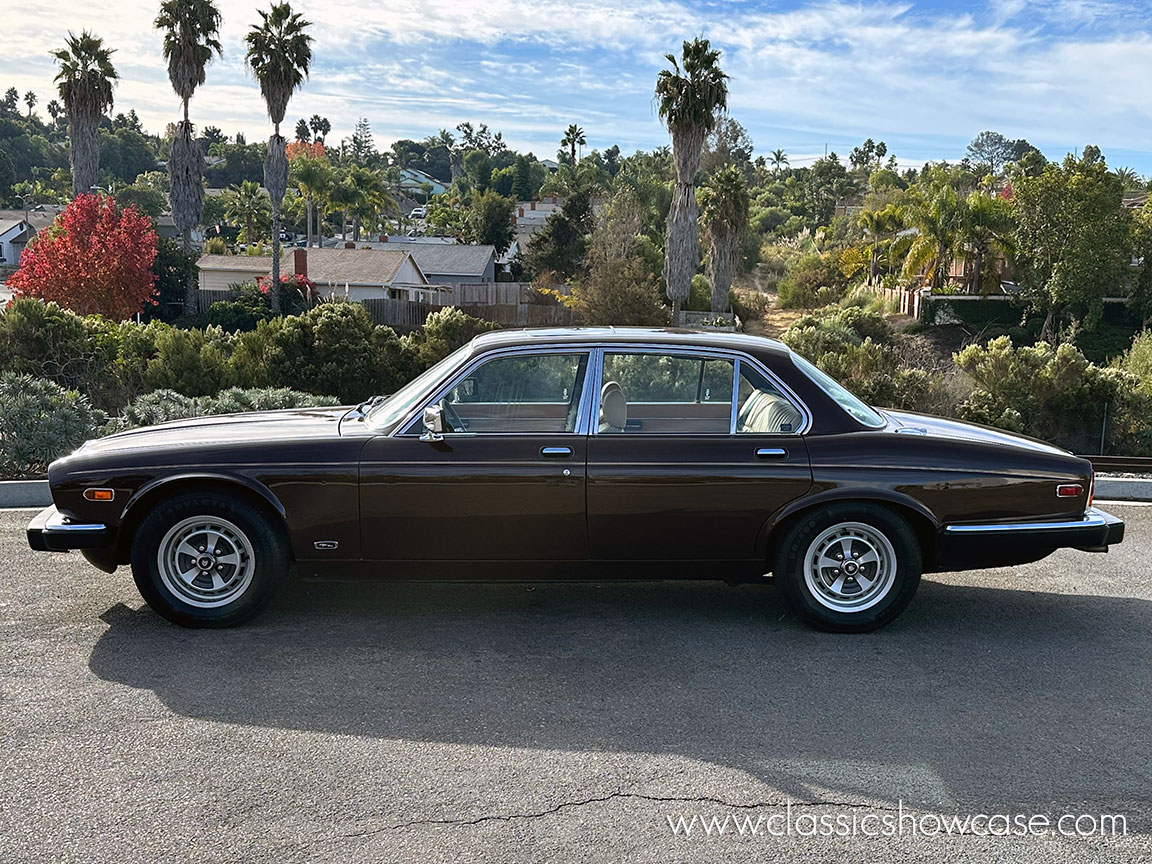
(850, 567)
(206, 561)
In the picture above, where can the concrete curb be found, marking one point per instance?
(34, 493)
(24, 493)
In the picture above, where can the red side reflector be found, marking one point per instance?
(99, 494)
(1069, 490)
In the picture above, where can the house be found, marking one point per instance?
(358, 274)
(452, 263)
(420, 186)
(14, 236)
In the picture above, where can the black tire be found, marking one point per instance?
(864, 526)
(246, 534)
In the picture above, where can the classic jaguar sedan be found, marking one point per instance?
(581, 453)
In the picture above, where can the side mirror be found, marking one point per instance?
(433, 424)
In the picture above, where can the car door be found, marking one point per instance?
(505, 481)
(706, 448)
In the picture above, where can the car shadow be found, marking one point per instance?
(976, 698)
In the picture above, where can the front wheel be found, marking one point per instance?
(207, 560)
(849, 567)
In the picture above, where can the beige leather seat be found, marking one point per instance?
(613, 408)
(768, 414)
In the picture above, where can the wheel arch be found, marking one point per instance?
(920, 518)
(160, 488)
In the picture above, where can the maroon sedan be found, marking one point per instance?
(581, 453)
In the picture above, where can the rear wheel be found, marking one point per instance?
(849, 567)
(207, 560)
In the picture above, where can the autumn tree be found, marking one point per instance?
(95, 259)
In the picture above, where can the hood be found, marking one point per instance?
(908, 422)
(294, 423)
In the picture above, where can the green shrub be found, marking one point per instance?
(77, 352)
(1138, 360)
(444, 332)
(163, 406)
(801, 288)
(699, 295)
(192, 362)
(40, 421)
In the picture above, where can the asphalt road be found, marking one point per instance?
(507, 723)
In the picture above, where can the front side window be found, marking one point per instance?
(852, 404)
(526, 393)
(653, 393)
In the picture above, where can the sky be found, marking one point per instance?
(925, 77)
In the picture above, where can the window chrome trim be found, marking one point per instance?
(737, 357)
(460, 373)
(1092, 518)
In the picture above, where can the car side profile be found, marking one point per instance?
(599, 453)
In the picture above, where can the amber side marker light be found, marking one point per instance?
(1069, 490)
(99, 494)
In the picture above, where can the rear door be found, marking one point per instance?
(711, 446)
(505, 483)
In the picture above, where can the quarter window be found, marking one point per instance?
(763, 408)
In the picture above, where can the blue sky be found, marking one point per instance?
(925, 77)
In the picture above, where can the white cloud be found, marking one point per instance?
(1059, 72)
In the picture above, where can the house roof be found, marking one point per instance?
(38, 217)
(335, 266)
(450, 259)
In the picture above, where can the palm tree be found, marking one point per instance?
(303, 133)
(878, 224)
(937, 215)
(342, 197)
(30, 99)
(375, 198)
(1127, 176)
(85, 83)
(573, 135)
(987, 226)
(319, 126)
(313, 179)
(279, 54)
(779, 160)
(190, 38)
(247, 205)
(690, 99)
(55, 110)
(724, 209)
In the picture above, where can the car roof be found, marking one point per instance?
(627, 335)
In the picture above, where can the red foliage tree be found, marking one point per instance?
(96, 258)
(308, 149)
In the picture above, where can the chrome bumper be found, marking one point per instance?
(1094, 529)
(52, 531)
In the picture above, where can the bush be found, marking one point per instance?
(622, 293)
(192, 362)
(1050, 393)
(443, 333)
(163, 406)
(699, 295)
(41, 421)
(801, 288)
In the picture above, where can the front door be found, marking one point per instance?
(505, 482)
(692, 455)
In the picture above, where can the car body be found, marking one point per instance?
(419, 213)
(568, 453)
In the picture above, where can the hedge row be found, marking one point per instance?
(333, 349)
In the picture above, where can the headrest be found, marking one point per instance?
(613, 406)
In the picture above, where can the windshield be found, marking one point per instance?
(396, 406)
(859, 411)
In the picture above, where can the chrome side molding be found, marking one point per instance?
(1092, 518)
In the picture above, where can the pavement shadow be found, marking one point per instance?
(977, 698)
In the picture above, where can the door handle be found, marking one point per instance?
(771, 453)
(556, 452)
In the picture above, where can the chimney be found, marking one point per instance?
(382, 238)
(348, 244)
(519, 211)
(533, 203)
(300, 262)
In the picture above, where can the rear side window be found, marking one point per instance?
(654, 393)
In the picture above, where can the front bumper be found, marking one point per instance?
(52, 531)
(1001, 544)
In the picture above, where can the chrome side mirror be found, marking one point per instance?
(433, 424)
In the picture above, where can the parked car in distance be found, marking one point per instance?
(419, 213)
(599, 453)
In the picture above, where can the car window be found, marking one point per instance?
(763, 409)
(652, 393)
(518, 393)
(858, 409)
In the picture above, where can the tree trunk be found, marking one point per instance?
(274, 291)
(680, 250)
(276, 182)
(84, 150)
(978, 266)
(191, 307)
(308, 219)
(720, 257)
(872, 270)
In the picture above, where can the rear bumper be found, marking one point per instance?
(1000, 544)
(52, 531)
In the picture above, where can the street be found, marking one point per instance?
(509, 723)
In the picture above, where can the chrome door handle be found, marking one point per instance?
(556, 452)
(771, 453)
